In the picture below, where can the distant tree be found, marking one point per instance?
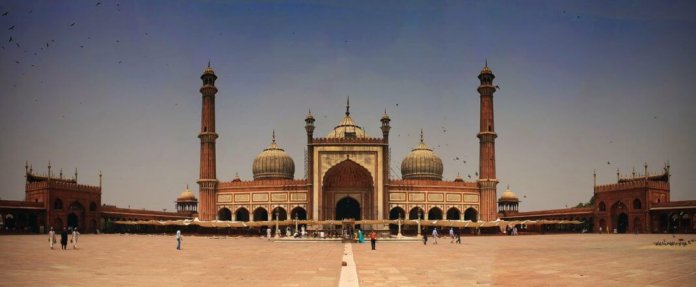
(587, 204)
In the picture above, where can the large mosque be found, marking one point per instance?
(347, 174)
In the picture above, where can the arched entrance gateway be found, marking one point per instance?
(348, 208)
(348, 192)
(619, 218)
(76, 215)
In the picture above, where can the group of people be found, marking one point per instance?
(511, 230)
(455, 237)
(63, 238)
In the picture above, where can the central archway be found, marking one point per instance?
(622, 223)
(348, 179)
(347, 208)
(619, 218)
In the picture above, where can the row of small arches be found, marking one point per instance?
(637, 204)
(58, 205)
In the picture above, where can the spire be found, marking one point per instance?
(61, 173)
(485, 65)
(273, 135)
(100, 179)
(348, 106)
(594, 175)
(187, 188)
(26, 166)
(49, 170)
(75, 175)
(208, 67)
(421, 135)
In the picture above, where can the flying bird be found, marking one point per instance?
(608, 162)
(98, 3)
(73, 24)
(468, 175)
(82, 46)
(5, 14)
(120, 62)
(12, 27)
(497, 87)
(476, 173)
(17, 45)
(10, 39)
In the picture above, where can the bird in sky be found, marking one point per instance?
(608, 162)
(73, 24)
(10, 39)
(11, 27)
(6, 12)
(98, 3)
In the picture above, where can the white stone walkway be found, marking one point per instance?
(349, 274)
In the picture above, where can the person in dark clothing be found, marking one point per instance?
(64, 239)
(459, 237)
(425, 237)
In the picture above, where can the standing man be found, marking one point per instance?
(361, 236)
(435, 235)
(425, 237)
(75, 233)
(373, 239)
(459, 237)
(451, 233)
(178, 239)
(64, 239)
(268, 233)
(51, 237)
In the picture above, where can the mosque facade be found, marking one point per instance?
(347, 174)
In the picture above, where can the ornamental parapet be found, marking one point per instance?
(63, 185)
(285, 184)
(424, 183)
(348, 141)
(632, 184)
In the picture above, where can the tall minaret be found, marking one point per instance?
(487, 179)
(207, 181)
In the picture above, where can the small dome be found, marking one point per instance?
(347, 128)
(186, 195)
(422, 163)
(208, 70)
(508, 195)
(486, 69)
(273, 162)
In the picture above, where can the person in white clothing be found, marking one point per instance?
(51, 237)
(75, 233)
(451, 232)
(435, 235)
(268, 233)
(178, 239)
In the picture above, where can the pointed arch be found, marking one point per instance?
(241, 214)
(224, 214)
(453, 214)
(435, 213)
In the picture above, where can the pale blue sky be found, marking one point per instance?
(582, 84)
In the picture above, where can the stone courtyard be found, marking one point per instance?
(535, 260)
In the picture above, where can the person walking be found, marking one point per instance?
(425, 237)
(373, 239)
(75, 233)
(459, 237)
(51, 237)
(64, 239)
(435, 235)
(451, 234)
(361, 236)
(268, 233)
(178, 239)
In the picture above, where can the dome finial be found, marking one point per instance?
(348, 106)
(187, 186)
(421, 136)
(486, 64)
(208, 63)
(273, 135)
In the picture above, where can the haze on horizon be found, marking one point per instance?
(583, 86)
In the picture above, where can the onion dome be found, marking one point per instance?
(421, 163)
(508, 195)
(186, 195)
(458, 178)
(208, 70)
(347, 128)
(486, 69)
(272, 163)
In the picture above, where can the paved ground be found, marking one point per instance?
(543, 260)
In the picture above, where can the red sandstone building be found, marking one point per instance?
(347, 174)
(60, 202)
(639, 203)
